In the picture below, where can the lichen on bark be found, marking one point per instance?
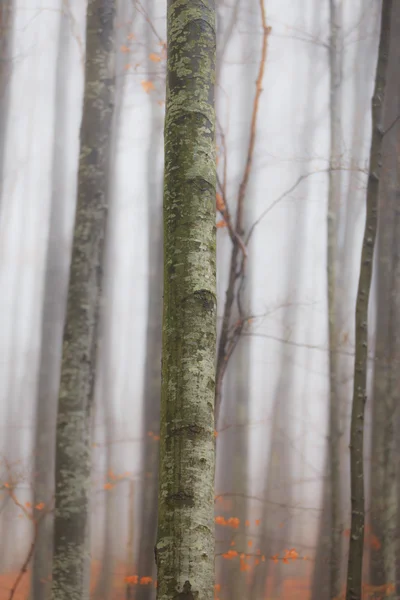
(69, 581)
(185, 541)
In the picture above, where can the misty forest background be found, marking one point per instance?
(287, 389)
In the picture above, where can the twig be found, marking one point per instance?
(27, 560)
(227, 344)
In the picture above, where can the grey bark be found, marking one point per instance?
(185, 540)
(82, 315)
(355, 560)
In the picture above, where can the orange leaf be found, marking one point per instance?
(131, 579)
(285, 560)
(221, 224)
(230, 554)
(220, 521)
(220, 203)
(148, 86)
(217, 587)
(275, 558)
(233, 522)
(258, 521)
(108, 486)
(145, 580)
(28, 505)
(249, 543)
(124, 49)
(6, 485)
(215, 433)
(154, 57)
(40, 506)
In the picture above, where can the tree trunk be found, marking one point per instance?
(6, 23)
(384, 501)
(185, 546)
(55, 293)
(355, 560)
(83, 305)
(334, 196)
(152, 377)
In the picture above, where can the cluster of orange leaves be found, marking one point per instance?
(220, 208)
(233, 522)
(136, 580)
(153, 435)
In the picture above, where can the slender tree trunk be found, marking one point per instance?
(83, 305)
(355, 560)
(334, 196)
(152, 378)
(185, 546)
(55, 293)
(384, 501)
(6, 22)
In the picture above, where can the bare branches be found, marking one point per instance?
(229, 335)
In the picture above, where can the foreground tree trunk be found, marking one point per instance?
(79, 345)
(355, 561)
(185, 541)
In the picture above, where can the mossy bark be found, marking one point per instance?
(185, 542)
(79, 343)
(355, 560)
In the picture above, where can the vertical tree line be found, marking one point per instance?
(356, 550)
(73, 448)
(185, 540)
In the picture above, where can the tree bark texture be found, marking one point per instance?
(185, 542)
(79, 343)
(355, 560)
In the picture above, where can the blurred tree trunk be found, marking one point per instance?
(6, 23)
(54, 300)
(334, 198)
(384, 501)
(83, 305)
(185, 540)
(152, 374)
(277, 491)
(104, 398)
(355, 560)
